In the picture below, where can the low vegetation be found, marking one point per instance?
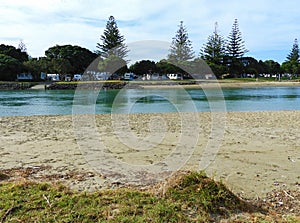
(190, 197)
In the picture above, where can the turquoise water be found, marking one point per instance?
(60, 102)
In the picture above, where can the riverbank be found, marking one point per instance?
(258, 153)
(15, 85)
(170, 84)
(227, 83)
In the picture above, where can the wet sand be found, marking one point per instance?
(259, 151)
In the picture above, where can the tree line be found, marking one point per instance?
(223, 55)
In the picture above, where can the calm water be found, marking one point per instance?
(34, 102)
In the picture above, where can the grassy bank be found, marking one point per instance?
(186, 198)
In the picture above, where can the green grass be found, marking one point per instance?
(189, 198)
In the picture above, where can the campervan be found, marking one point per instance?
(128, 76)
(101, 76)
(77, 77)
(53, 77)
(174, 76)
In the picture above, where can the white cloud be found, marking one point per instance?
(265, 25)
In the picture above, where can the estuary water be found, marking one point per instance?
(62, 102)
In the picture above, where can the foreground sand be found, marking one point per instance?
(260, 151)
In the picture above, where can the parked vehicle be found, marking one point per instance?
(102, 76)
(68, 77)
(53, 77)
(77, 77)
(175, 76)
(129, 76)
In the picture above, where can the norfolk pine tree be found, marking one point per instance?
(292, 64)
(112, 41)
(181, 48)
(235, 49)
(213, 52)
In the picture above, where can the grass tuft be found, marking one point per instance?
(191, 197)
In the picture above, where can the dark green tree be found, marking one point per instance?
(292, 65)
(294, 54)
(14, 52)
(181, 48)
(61, 66)
(235, 50)
(214, 50)
(70, 59)
(143, 67)
(272, 67)
(165, 67)
(33, 66)
(112, 41)
(113, 65)
(262, 67)
(9, 68)
(235, 43)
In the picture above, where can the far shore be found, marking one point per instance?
(186, 84)
(116, 84)
(226, 84)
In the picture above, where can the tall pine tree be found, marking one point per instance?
(292, 63)
(235, 42)
(112, 41)
(235, 50)
(181, 48)
(214, 50)
(294, 54)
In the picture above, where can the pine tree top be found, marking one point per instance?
(235, 42)
(181, 48)
(214, 50)
(294, 54)
(112, 41)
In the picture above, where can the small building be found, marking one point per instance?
(24, 77)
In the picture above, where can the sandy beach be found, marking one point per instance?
(259, 151)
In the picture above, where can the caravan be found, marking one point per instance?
(128, 76)
(175, 76)
(53, 77)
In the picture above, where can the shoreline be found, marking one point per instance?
(222, 84)
(259, 151)
(146, 84)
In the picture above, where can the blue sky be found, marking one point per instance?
(268, 27)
